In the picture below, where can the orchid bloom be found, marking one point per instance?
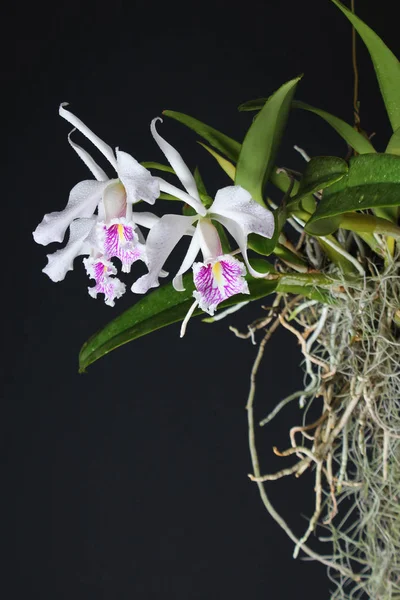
(220, 275)
(112, 231)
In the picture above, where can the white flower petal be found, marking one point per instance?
(138, 181)
(210, 243)
(104, 148)
(145, 219)
(176, 161)
(239, 234)
(91, 164)
(160, 242)
(82, 202)
(60, 262)
(172, 189)
(114, 200)
(236, 203)
(191, 254)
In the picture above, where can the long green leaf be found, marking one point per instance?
(373, 181)
(259, 148)
(393, 146)
(320, 173)
(165, 306)
(225, 164)
(352, 137)
(218, 140)
(157, 166)
(227, 146)
(387, 66)
(369, 224)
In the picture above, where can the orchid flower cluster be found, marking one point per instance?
(103, 227)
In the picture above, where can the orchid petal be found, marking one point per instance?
(174, 191)
(210, 242)
(239, 234)
(120, 240)
(139, 183)
(82, 202)
(62, 261)
(161, 240)
(176, 161)
(91, 164)
(114, 200)
(218, 280)
(102, 271)
(191, 254)
(145, 219)
(236, 203)
(104, 148)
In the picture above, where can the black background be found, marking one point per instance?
(131, 481)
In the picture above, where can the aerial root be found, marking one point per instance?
(351, 354)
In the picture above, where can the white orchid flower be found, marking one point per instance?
(100, 218)
(219, 276)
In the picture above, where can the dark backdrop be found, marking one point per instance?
(131, 481)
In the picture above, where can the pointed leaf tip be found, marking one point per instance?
(386, 65)
(262, 140)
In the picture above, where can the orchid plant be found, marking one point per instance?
(336, 277)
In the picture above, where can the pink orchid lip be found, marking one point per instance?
(121, 241)
(102, 271)
(217, 280)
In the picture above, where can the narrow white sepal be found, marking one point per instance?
(176, 161)
(104, 148)
(174, 191)
(190, 257)
(91, 164)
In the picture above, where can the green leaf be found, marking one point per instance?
(259, 148)
(165, 306)
(224, 144)
(165, 196)
(352, 137)
(280, 179)
(393, 146)
(218, 140)
(290, 258)
(372, 181)
(251, 105)
(159, 308)
(387, 66)
(225, 165)
(320, 173)
(369, 224)
(204, 197)
(158, 167)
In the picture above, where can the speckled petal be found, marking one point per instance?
(82, 203)
(139, 183)
(162, 239)
(62, 261)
